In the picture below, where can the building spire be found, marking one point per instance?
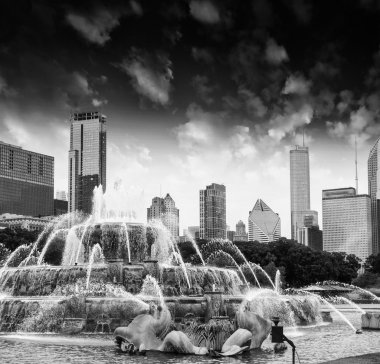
(356, 167)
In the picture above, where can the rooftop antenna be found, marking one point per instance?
(356, 167)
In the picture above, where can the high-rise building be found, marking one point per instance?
(241, 234)
(212, 202)
(374, 194)
(310, 236)
(26, 182)
(61, 195)
(193, 231)
(299, 187)
(264, 225)
(60, 207)
(87, 159)
(347, 222)
(164, 209)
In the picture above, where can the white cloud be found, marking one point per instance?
(253, 103)
(363, 125)
(95, 28)
(296, 84)
(274, 53)
(204, 11)
(148, 80)
(98, 102)
(287, 123)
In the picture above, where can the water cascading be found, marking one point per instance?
(277, 282)
(196, 248)
(258, 266)
(11, 257)
(125, 227)
(352, 304)
(151, 288)
(71, 246)
(227, 257)
(351, 286)
(95, 250)
(52, 236)
(340, 314)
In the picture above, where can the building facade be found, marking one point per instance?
(26, 182)
(374, 194)
(61, 195)
(193, 231)
(299, 187)
(241, 234)
(264, 225)
(164, 209)
(87, 159)
(212, 202)
(310, 236)
(347, 222)
(24, 222)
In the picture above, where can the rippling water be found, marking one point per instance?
(314, 345)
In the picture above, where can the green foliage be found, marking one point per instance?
(13, 238)
(4, 254)
(367, 279)
(372, 264)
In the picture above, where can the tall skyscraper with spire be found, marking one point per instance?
(299, 187)
(87, 159)
(374, 194)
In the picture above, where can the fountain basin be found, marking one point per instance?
(371, 321)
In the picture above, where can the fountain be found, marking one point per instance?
(131, 276)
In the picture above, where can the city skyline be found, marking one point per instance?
(202, 92)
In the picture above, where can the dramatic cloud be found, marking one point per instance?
(150, 76)
(296, 84)
(203, 88)
(204, 11)
(202, 55)
(95, 28)
(287, 123)
(274, 53)
(363, 125)
(98, 103)
(254, 105)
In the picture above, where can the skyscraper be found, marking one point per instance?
(241, 234)
(87, 159)
(61, 195)
(374, 194)
(212, 202)
(299, 187)
(264, 225)
(26, 181)
(347, 222)
(164, 209)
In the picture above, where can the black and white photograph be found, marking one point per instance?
(190, 181)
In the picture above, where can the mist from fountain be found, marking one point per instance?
(349, 302)
(126, 237)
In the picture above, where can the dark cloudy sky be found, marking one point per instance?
(197, 92)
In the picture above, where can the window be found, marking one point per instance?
(41, 166)
(29, 164)
(10, 159)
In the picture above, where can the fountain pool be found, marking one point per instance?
(315, 344)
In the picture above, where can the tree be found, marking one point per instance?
(372, 263)
(4, 254)
(13, 238)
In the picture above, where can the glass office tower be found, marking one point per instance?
(213, 212)
(347, 222)
(26, 182)
(374, 194)
(87, 159)
(299, 187)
